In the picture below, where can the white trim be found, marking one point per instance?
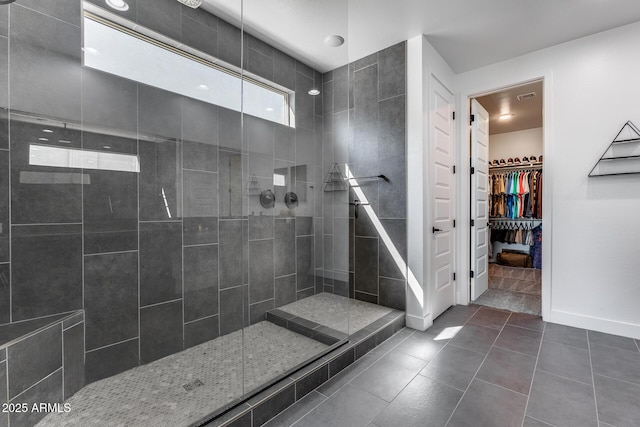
(463, 184)
(419, 323)
(591, 323)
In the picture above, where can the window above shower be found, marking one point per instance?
(116, 46)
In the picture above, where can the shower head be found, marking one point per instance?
(191, 3)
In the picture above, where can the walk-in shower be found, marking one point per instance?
(177, 193)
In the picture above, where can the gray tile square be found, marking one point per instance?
(261, 278)
(566, 335)
(454, 366)
(488, 405)
(565, 361)
(28, 364)
(232, 261)
(351, 405)
(616, 363)
(49, 390)
(388, 376)
(392, 64)
(46, 270)
(160, 262)
(73, 362)
(110, 298)
(528, 321)
(200, 282)
(111, 360)
(423, 403)
(612, 340)
(489, 318)
(618, 401)
(422, 345)
(519, 339)
(161, 331)
(561, 402)
(476, 338)
(508, 369)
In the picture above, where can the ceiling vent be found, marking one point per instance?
(525, 96)
(191, 3)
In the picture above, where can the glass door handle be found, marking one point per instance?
(436, 230)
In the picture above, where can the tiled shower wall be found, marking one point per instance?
(177, 254)
(364, 126)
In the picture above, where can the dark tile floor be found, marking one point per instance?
(482, 367)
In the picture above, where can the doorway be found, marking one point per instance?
(507, 158)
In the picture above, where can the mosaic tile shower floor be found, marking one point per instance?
(336, 312)
(153, 394)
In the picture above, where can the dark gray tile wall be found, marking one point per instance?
(179, 253)
(364, 128)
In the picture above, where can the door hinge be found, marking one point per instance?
(472, 274)
(454, 169)
(473, 223)
(453, 115)
(473, 170)
(454, 223)
(472, 118)
(454, 277)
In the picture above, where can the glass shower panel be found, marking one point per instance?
(295, 314)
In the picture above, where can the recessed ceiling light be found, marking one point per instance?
(64, 141)
(47, 131)
(120, 5)
(269, 109)
(334, 40)
(91, 50)
(108, 147)
(43, 139)
(314, 92)
(203, 87)
(505, 116)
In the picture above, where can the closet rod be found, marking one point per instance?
(493, 169)
(514, 219)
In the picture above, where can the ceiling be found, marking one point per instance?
(467, 33)
(525, 114)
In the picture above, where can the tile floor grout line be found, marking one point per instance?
(593, 380)
(514, 351)
(533, 377)
(563, 377)
(540, 421)
(610, 346)
(500, 386)
(615, 379)
(372, 363)
(479, 367)
(306, 413)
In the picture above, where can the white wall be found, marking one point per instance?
(523, 143)
(591, 259)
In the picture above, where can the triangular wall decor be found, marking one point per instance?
(623, 154)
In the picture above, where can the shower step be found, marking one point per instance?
(267, 404)
(305, 327)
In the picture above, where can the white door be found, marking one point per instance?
(479, 200)
(441, 154)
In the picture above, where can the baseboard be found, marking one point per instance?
(593, 323)
(419, 323)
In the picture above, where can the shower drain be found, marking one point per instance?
(193, 384)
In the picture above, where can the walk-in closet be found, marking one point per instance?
(515, 186)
